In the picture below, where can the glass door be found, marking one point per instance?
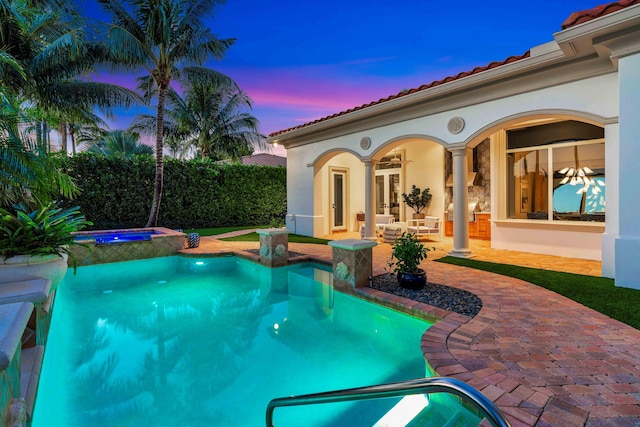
(388, 192)
(338, 199)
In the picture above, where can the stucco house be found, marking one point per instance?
(537, 153)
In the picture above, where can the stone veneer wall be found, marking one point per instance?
(160, 245)
(481, 190)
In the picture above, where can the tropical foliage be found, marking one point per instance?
(44, 231)
(211, 118)
(168, 39)
(46, 58)
(27, 173)
(119, 143)
(43, 55)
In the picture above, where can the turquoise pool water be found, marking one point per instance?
(209, 342)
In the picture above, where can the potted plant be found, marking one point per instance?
(37, 243)
(406, 256)
(417, 200)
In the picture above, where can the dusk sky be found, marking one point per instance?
(302, 60)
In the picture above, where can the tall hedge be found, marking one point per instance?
(117, 192)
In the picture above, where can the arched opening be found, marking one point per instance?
(547, 184)
(340, 182)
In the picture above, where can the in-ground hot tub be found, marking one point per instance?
(102, 246)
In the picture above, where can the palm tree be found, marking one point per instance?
(166, 38)
(214, 114)
(27, 173)
(119, 143)
(42, 55)
(50, 44)
(211, 118)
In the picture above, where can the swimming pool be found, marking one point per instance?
(183, 341)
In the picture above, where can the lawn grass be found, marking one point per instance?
(250, 237)
(220, 230)
(293, 238)
(598, 293)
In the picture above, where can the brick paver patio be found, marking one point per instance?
(543, 359)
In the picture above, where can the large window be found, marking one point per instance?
(556, 180)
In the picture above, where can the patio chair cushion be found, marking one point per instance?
(391, 233)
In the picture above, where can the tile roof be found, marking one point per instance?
(574, 19)
(264, 159)
(260, 159)
(604, 9)
(410, 91)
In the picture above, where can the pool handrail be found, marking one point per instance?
(403, 388)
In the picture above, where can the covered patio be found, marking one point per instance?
(532, 143)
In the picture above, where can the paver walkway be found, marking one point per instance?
(543, 359)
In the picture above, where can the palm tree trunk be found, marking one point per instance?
(72, 134)
(157, 187)
(62, 130)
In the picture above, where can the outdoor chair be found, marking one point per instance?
(429, 225)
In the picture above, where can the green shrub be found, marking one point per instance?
(117, 192)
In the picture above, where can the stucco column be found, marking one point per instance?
(460, 205)
(370, 200)
(627, 245)
(622, 189)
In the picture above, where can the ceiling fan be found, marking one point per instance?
(395, 159)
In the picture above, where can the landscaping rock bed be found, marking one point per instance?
(440, 296)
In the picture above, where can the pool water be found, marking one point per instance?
(116, 237)
(180, 341)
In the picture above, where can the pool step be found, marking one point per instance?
(308, 281)
(427, 410)
(406, 410)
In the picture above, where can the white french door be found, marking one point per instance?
(388, 192)
(338, 199)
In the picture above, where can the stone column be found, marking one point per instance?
(352, 263)
(460, 205)
(274, 247)
(370, 200)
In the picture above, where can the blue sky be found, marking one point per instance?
(302, 60)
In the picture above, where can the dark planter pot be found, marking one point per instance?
(413, 280)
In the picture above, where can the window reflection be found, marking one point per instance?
(577, 186)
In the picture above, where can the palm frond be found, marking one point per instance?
(73, 93)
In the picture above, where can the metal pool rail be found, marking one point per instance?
(404, 388)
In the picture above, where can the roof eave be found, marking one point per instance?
(578, 40)
(540, 56)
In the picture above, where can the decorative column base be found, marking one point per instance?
(274, 247)
(461, 253)
(352, 263)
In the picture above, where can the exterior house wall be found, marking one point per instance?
(588, 73)
(589, 99)
(627, 243)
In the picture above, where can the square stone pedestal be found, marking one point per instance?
(274, 246)
(352, 262)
